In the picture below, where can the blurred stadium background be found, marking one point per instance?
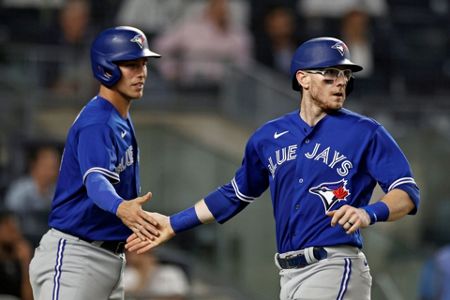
(192, 138)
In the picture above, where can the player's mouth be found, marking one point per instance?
(339, 93)
(138, 85)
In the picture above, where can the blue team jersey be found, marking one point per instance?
(311, 170)
(99, 141)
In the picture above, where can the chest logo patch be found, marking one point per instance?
(331, 192)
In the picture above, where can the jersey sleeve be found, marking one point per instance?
(389, 166)
(251, 179)
(102, 192)
(97, 153)
(249, 182)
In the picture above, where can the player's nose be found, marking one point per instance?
(341, 80)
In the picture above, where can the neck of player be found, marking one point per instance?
(118, 100)
(311, 113)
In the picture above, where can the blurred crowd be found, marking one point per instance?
(200, 38)
(402, 46)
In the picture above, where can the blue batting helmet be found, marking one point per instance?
(318, 53)
(117, 44)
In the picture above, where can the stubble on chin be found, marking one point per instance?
(333, 107)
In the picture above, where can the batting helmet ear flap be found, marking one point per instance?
(106, 72)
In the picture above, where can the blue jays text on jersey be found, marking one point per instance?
(99, 141)
(311, 170)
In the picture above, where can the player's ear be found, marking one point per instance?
(303, 79)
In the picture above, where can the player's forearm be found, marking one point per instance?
(399, 204)
(203, 213)
(102, 192)
(191, 217)
(214, 207)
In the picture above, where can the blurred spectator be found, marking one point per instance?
(435, 277)
(278, 43)
(367, 44)
(30, 196)
(154, 16)
(151, 16)
(68, 55)
(321, 18)
(355, 30)
(146, 277)
(15, 256)
(197, 50)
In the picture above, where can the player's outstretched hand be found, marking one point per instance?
(134, 244)
(137, 219)
(350, 218)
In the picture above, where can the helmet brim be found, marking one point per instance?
(149, 53)
(134, 56)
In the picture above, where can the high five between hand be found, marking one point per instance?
(137, 219)
(134, 244)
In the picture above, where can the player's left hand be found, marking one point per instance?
(135, 244)
(137, 219)
(350, 218)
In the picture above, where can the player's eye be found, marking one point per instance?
(333, 73)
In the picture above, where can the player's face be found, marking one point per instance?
(327, 90)
(132, 81)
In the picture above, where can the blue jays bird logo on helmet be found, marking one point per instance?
(138, 39)
(339, 47)
(331, 192)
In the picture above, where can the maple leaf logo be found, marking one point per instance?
(341, 192)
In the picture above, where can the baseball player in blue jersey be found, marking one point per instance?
(321, 163)
(82, 255)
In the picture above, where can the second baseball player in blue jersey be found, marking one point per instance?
(98, 129)
(322, 163)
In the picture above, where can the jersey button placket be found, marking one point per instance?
(300, 180)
